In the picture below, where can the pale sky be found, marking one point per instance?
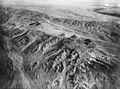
(61, 2)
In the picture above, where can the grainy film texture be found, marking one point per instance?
(59, 44)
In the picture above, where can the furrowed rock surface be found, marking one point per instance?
(40, 51)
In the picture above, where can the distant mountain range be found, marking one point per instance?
(111, 11)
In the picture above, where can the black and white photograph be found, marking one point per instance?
(59, 44)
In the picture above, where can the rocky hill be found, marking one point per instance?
(68, 50)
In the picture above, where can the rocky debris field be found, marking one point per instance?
(40, 51)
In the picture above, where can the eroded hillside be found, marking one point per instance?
(40, 51)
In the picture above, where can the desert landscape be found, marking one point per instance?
(59, 46)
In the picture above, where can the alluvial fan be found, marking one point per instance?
(40, 51)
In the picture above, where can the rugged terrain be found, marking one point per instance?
(62, 49)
